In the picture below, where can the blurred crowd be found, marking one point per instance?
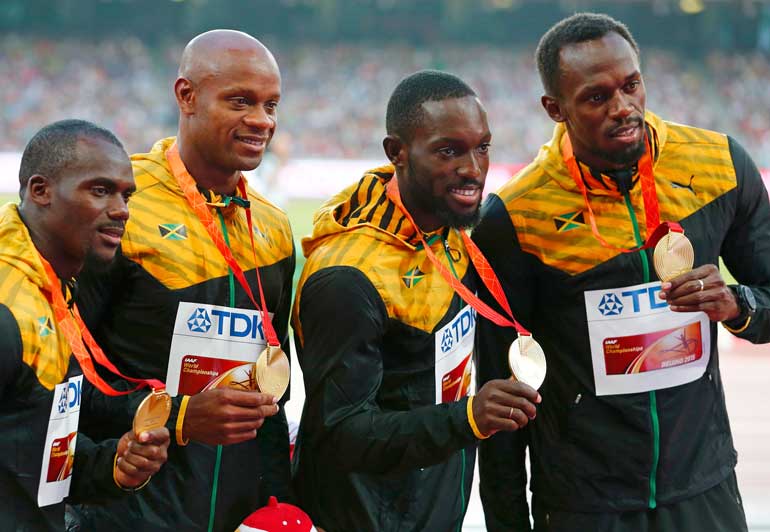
(335, 96)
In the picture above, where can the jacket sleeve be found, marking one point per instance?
(344, 322)
(273, 437)
(502, 471)
(11, 354)
(746, 248)
(92, 480)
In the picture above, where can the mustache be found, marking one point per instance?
(120, 226)
(633, 121)
(469, 183)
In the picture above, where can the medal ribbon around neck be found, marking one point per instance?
(76, 333)
(200, 208)
(655, 230)
(483, 267)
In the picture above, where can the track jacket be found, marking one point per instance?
(618, 451)
(167, 257)
(385, 348)
(39, 381)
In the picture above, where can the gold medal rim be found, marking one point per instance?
(140, 424)
(273, 378)
(514, 351)
(662, 258)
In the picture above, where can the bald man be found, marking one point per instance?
(172, 306)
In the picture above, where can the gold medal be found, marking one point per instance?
(673, 256)
(153, 412)
(239, 378)
(527, 361)
(273, 372)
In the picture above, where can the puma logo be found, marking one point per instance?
(688, 186)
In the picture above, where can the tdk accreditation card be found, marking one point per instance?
(639, 344)
(208, 341)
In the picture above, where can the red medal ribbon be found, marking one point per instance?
(649, 195)
(200, 208)
(488, 276)
(76, 333)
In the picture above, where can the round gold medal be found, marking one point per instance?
(527, 361)
(673, 256)
(153, 412)
(273, 372)
(238, 378)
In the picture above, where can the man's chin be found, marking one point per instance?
(99, 261)
(627, 157)
(457, 220)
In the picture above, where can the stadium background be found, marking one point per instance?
(705, 62)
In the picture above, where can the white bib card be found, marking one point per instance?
(59, 450)
(209, 341)
(638, 344)
(454, 356)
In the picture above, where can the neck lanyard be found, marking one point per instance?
(483, 268)
(76, 333)
(649, 195)
(199, 206)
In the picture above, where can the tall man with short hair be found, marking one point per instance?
(633, 432)
(75, 180)
(220, 467)
(388, 432)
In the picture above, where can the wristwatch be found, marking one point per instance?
(747, 304)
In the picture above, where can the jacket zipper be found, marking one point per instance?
(462, 451)
(652, 501)
(218, 461)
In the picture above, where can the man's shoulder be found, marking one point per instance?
(263, 208)
(529, 179)
(685, 134)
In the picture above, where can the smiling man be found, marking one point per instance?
(75, 181)
(388, 433)
(633, 432)
(195, 227)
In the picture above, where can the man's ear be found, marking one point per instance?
(553, 108)
(185, 95)
(38, 190)
(395, 150)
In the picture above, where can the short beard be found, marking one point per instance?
(95, 264)
(626, 158)
(426, 201)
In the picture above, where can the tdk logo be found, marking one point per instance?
(199, 321)
(458, 328)
(612, 305)
(228, 323)
(69, 397)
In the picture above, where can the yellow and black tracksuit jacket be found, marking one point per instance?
(618, 452)
(34, 358)
(167, 257)
(374, 451)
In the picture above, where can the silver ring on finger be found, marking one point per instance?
(702, 284)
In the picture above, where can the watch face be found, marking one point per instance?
(748, 299)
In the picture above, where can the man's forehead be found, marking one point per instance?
(597, 55)
(453, 113)
(98, 154)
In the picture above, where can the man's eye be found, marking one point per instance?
(239, 101)
(596, 98)
(449, 152)
(484, 148)
(99, 191)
